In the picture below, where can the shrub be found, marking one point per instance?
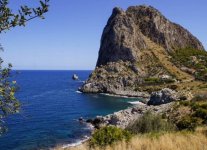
(199, 109)
(109, 135)
(185, 103)
(168, 80)
(204, 106)
(150, 123)
(152, 80)
(201, 113)
(187, 123)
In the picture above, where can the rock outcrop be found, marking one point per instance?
(162, 97)
(135, 47)
(123, 36)
(75, 77)
(125, 117)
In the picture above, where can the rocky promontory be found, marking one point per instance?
(135, 56)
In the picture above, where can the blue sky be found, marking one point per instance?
(69, 37)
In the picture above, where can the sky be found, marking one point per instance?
(69, 37)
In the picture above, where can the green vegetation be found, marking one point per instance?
(8, 103)
(150, 123)
(196, 117)
(201, 113)
(9, 19)
(108, 136)
(187, 123)
(152, 80)
(199, 109)
(193, 59)
(150, 126)
(158, 80)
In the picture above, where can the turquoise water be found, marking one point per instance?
(50, 109)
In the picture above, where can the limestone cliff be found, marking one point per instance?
(135, 51)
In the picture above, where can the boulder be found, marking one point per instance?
(164, 96)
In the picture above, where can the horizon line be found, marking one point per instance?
(52, 70)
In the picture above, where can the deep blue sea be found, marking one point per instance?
(51, 106)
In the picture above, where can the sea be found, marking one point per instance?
(50, 108)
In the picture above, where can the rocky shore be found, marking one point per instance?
(159, 102)
(125, 117)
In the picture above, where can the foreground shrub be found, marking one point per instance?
(150, 123)
(109, 135)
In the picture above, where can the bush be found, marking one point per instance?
(199, 109)
(185, 103)
(152, 80)
(187, 123)
(201, 113)
(150, 123)
(109, 135)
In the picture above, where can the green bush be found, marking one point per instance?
(109, 135)
(150, 123)
(187, 123)
(152, 80)
(201, 113)
(168, 80)
(199, 108)
(185, 103)
(204, 106)
(158, 80)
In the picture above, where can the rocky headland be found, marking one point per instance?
(145, 55)
(135, 56)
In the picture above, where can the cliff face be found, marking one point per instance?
(135, 46)
(123, 35)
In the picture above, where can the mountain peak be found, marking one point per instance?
(136, 47)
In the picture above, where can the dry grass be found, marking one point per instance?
(188, 82)
(162, 55)
(168, 141)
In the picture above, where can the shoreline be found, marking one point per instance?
(78, 142)
(121, 96)
(143, 99)
(122, 117)
(82, 141)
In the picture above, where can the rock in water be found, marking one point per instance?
(132, 44)
(75, 77)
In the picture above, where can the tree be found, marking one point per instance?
(9, 104)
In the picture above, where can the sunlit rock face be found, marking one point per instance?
(126, 56)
